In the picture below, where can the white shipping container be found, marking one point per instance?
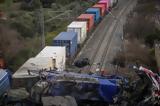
(80, 28)
(34, 65)
(58, 55)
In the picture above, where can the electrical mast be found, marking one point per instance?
(39, 20)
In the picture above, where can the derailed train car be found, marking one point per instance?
(82, 87)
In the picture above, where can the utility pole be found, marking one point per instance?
(39, 20)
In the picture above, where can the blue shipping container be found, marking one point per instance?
(69, 40)
(4, 82)
(96, 13)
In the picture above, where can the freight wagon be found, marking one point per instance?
(80, 28)
(65, 44)
(95, 12)
(89, 18)
(110, 3)
(69, 40)
(32, 65)
(106, 3)
(101, 7)
(57, 53)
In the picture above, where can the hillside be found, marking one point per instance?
(20, 39)
(140, 32)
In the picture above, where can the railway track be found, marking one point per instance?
(106, 58)
(106, 39)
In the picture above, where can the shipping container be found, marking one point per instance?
(69, 40)
(57, 53)
(4, 82)
(101, 7)
(89, 18)
(109, 3)
(33, 65)
(80, 28)
(96, 13)
(105, 2)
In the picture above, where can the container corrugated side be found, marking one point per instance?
(101, 7)
(4, 82)
(91, 21)
(109, 3)
(89, 18)
(74, 44)
(84, 31)
(79, 33)
(80, 29)
(103, 4)
(96, 12)
(69, 42)
(71, 45)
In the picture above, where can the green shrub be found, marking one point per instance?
(24, 30)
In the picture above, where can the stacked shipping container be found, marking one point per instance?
(101, 7)
(33, 65)
(65, 44)
(69, 40)
(89, 18)
(96, 12)
(110, 3)
(104, 2)
(80, 28)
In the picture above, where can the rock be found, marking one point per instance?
(18, 94)
(59, 101)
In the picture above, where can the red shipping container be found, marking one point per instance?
(105, 2)
(89, 18)
(101, 7)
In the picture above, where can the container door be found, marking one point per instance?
(78, 30)
(68, 47)
(83, 31)
(95, 16)
(74, 30)
(78, 33)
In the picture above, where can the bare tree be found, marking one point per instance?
(10, 41)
